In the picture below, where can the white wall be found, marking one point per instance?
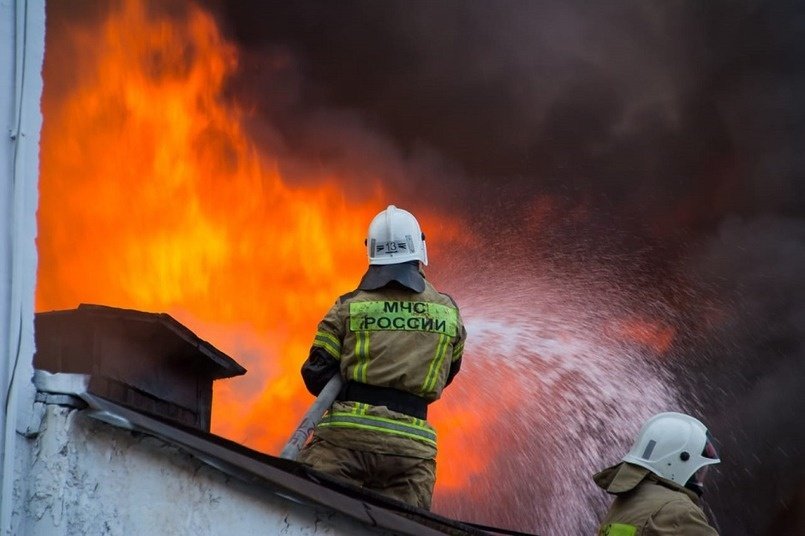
(86, 477)
(22, 34)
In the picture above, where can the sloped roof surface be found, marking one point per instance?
(284, 477)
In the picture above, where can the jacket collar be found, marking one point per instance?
(406, 274)
(624, 477)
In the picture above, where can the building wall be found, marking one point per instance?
(82, 476)
(74, 475)
(22, 41)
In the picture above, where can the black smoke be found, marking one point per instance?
(746, 371)
(680, 113)
(658, 144)
(665, 138)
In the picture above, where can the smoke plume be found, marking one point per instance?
(653, 145)
(646, 154)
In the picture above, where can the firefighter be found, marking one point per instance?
(397, 343)
(658, 484)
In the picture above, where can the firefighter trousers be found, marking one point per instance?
(404, 478)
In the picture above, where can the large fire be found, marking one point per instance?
(153, 197)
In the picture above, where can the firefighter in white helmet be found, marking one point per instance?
(659, 483)
(397, 342)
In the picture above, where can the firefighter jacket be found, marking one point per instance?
(394, 335)
(648, 505)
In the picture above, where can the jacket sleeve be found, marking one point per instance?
(324, 360)
(680, 517)
(458, 352)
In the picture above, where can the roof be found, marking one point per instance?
(286, 478)
(161, 328)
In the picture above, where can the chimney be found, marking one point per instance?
(146, 361)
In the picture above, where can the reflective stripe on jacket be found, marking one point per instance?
(392, 337)
(362, 416)
(389, 337)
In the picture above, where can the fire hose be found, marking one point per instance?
(323, 402)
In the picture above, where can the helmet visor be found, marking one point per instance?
(709, 450)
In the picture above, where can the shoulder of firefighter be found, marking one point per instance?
(394, 348)
(646, 504)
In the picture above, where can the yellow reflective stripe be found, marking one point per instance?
(379, 424)
(366, 358)
(618, 529)
(327, 346)
(458, 350)
(365, 407)
(378, 429)
(438, 358)
(362, 353)
(437, 363)
(327, 337)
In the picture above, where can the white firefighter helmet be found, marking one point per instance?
(673, 446)
(395, 237)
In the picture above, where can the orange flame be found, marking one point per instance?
(153, 197)
(655, 336)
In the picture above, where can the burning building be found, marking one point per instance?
(119, 443)
(612, 193)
